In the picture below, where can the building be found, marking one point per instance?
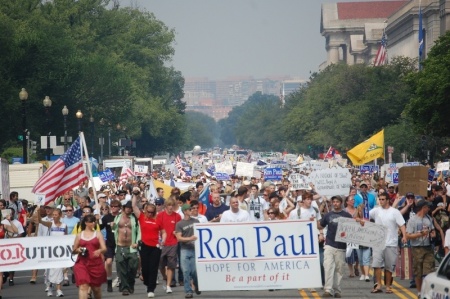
(353, 30)
(217, 98)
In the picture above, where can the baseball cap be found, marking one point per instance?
(421, 203)
(185, 207)
(159, 201)
(409, 194)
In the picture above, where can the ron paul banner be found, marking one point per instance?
(258, 255)
(36, 253)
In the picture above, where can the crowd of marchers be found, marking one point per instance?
(146, 235)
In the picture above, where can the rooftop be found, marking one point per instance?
(368, 10)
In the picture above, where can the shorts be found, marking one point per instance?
(423, 257)
(169, 257)
(110, 253)
(364, 255)
(385, 258)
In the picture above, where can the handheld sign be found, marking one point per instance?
(370, 235)
(332, 181)
(40, 199)
(273, 174)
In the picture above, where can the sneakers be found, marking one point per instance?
(327, 295)
(337, 295)
(189, 295)
(367, 278)
(168, 290)
(49, 293)
(11, 282)
(125, 293)
(362, 277)
(150, 295)
(47, 287)
(59, 293)
(116, 282)
(313, 290)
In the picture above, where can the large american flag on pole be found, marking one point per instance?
(126, 172)
(65, 174)
(381, 57)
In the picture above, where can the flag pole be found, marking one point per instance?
(86, 153)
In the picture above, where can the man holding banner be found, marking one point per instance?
(334, 252)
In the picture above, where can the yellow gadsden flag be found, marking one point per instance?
(368, 150)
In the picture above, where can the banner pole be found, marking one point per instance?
(91, 178)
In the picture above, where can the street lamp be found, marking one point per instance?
(65, 112)
(79, 115)
(102, 124)
(23, 96)
(91, 120)
(47, 104)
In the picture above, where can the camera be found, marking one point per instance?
(83, 251)
(257, 215)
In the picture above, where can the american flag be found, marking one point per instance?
(126, 172)
(381, 57)
(179, 165)
(66, 173)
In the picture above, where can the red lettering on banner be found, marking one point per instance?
(11, 254)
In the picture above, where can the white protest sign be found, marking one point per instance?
(442, 166)
(244, 169)
(370, 235)
(224, 167)
(140, 170)
(332, 181)
(257, 256)
(299, 182)
(40, 199)
(197, 168)
(37, 253)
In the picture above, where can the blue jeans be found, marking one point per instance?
(187, 260)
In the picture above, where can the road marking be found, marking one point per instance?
(401, 288)
(303, 294)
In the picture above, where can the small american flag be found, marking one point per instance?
(66, 173)
(179, 165)
(126, 172)
(381, 57)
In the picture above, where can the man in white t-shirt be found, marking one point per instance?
(195, 214)
(306, 208)
(386, 257)
(235, 214)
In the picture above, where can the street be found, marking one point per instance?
(351, 288)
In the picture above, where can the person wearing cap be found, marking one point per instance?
(419, 231)
(334, 252)
(386, 257)
(159, 203)
(184, 231)
(127, 234)
(391, 192)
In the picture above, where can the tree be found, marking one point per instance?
(430, 101)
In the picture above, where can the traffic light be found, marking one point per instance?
(33, 146)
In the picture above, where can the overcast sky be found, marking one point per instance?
(222, 38)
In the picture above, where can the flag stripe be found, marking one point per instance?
(381, 56)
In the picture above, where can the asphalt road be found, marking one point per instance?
(351, 288)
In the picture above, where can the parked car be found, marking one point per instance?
(437, 284)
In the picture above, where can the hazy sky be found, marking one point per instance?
(259, 38)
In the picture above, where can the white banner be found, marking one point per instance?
(224, 167)
(332, 181)
(140, 170)
(244, 169)
(258, 255)
(197, 168)
(370, 235)
(442, 166)
(299, 182)
(36, 253)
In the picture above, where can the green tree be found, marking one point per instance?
(430, 101)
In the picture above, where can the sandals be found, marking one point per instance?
(375, 291)
(389, 291)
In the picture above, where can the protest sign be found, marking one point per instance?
(257, 256)
(197, 168)
(413, 179)
(273, 174)
(370, 235)
(431, 173)
(36, 253)
(299, 182)
(224, 167)
(369, 168)
(441, 166)
(244, 169)
(221, 176)
(140, 170)
(106, 175)
(332, 181)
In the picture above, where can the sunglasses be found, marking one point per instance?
(158, 204)
(68, 210)
(105, 209)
